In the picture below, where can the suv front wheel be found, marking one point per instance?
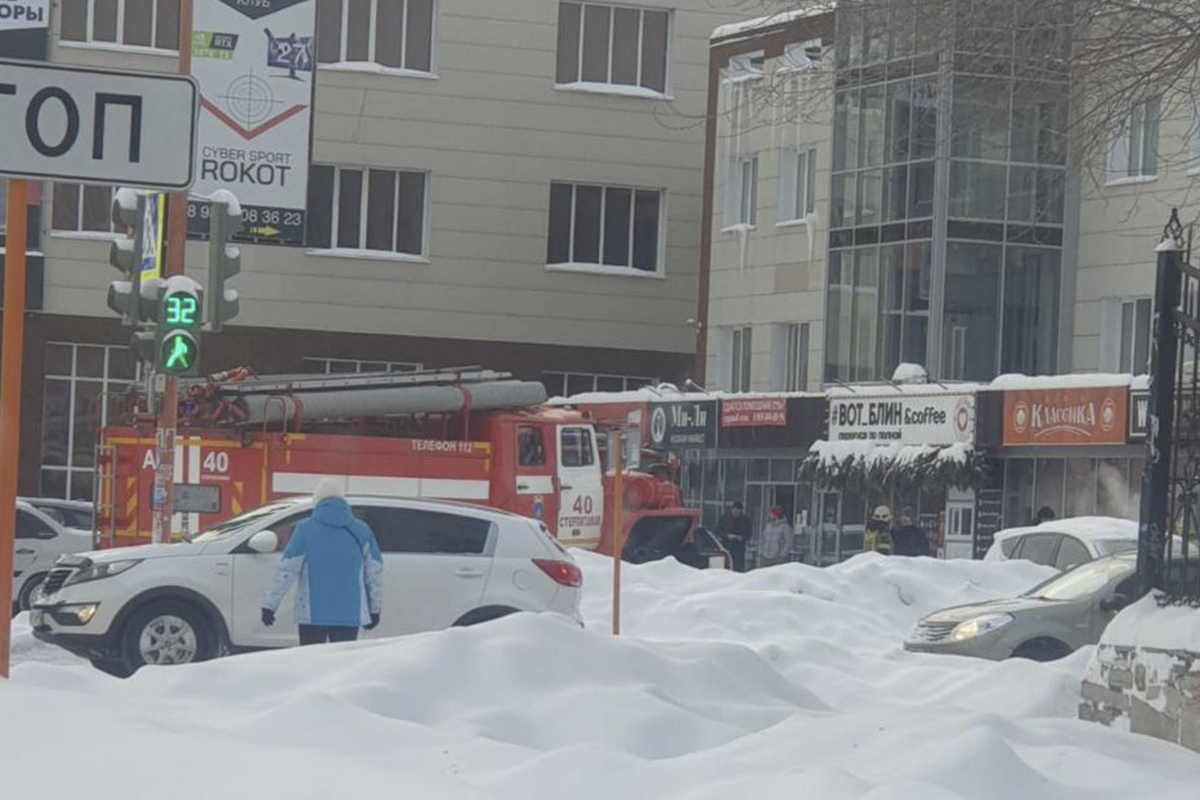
(167, 632)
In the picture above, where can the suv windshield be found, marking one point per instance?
(238, 523)
(1110, 547)
(1083, 580)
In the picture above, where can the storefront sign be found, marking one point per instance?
(939, 419)
(1139, 416)
(1066, 416)
(683, 424)
(24, 25)
(255, 64)
(754, 412)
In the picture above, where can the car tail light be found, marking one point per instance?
(564, 573)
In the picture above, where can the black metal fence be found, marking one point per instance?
(1169, 544)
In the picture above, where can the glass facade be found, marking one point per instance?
(947, 193)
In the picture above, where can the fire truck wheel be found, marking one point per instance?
(168, 632)
(485, 614)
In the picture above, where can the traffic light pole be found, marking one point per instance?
(10, 395)
(168, 409)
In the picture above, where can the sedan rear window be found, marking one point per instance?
(1040, 548)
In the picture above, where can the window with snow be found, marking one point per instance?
(797, 183)
(397, 34)
(1133, 150)
(81, 208)
(741, 186)
(354, 208)
(132, 23)
(609, 45)
(609, 227)
(740, 349)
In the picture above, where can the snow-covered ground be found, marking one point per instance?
(784, 683)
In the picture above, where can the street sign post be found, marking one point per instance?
(93, 126)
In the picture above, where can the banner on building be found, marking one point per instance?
(936, 419)
(24, 29)
(255, 65)
(754, 412)
(683, 424)
(1090, 415)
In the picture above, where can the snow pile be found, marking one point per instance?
(785, 682)
(1144, 624)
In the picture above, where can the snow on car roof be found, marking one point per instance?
(1088, 529)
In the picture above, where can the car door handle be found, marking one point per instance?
(25, 551)
(469, 572)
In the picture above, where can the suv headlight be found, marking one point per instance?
(979, 626)
(104, 569)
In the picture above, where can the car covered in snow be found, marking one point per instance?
(41, 536)
(445, 564)
(1065, 543)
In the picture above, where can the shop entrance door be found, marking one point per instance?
(960, 528)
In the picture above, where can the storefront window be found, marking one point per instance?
(1051, 485)
(1081, 487)
(1113, 489)
(735, 480)
(1018, 492)
(1030, 310)
(972, 294)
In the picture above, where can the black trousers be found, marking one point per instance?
(322, 634)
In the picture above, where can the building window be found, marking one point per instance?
(741, 343)
(392, 33)
(326, 366)
(79, 385)
(1133, 150)
(795, 377)
(566, 384)
(607, 226)
(797, 184)
(741, 201)
(82, 208)
(380, 210)
(1136, 319)
(133, 23)
(612, 45)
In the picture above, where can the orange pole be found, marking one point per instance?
(614, 447)
(168, 409)
(10, 396)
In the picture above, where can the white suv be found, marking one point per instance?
(444, 564)
(40, 538)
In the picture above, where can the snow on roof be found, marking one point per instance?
(813, 9)
(1080, 380)
(883, 389)
(1088, 529)
(667, 394)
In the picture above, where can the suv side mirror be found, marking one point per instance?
(1115, 603)
(264, 542)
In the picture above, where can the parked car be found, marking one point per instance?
(1051, 620)
(656, 538)
(74, 514)
(39, 540)
(1065, 543)
(444, 564)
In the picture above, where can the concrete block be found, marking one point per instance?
(1119, 678)
(1189, 727)
(1103, 696)
(1147, 720)
(1189, 685)
(1139, 677)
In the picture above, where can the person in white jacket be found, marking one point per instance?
(776, 539)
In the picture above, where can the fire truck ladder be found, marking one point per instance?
(290, 400)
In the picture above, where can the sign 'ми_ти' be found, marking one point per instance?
(97, 126)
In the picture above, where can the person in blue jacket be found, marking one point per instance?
(335, 560)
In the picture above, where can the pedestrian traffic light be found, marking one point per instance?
(138, 254)
(179, 316)
(224, 259)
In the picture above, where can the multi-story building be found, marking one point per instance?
(510, 184)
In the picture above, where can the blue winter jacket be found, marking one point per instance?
(337, 561)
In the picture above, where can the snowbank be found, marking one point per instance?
(785, 682)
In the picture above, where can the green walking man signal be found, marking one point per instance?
(179, 318)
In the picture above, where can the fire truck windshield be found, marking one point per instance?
(239, 523)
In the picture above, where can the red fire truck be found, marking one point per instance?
(469, 434)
